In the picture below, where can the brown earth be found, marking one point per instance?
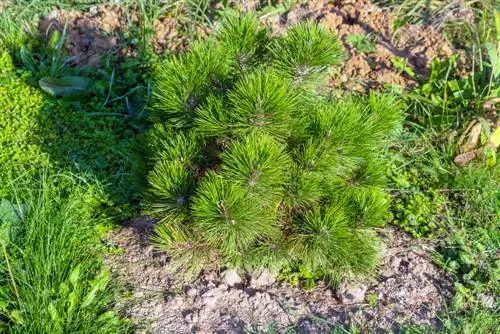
(416, 44)
(409, 289)
(105, 29)
(88, 34)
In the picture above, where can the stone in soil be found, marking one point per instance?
(262, 278)
(231, 277)
(351, 293)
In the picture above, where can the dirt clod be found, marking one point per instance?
(262, 278)
(88, 34)
(351, 293)
(231, 277)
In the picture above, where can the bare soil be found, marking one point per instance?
(107, 29)
(409, 289)
(88, 34)
(416, 44)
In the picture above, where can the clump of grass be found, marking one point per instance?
(50, 263)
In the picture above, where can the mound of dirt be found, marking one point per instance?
(88, 34)
(108, 29)
(417, 45)
(408, 290)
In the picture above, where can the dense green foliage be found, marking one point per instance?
(41, 131)
(446, 99)
(458, 207)
(20, 105)
(434, 198)
(52, 280)
(254, 168)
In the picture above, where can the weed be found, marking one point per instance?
(275, 8)
(476, 320)
(361, 43)
(51, 60)
(142, 27)
(13, 28)
(372, 299)
(418, 174)
(445, 100)
(402, 65)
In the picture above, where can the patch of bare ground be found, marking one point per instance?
(88, 34)
(409, 289)
(416, 44)
(103, 30)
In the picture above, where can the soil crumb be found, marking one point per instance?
(409, 289)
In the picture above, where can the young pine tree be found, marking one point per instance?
(253, 168)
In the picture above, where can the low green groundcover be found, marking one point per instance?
(40, 131)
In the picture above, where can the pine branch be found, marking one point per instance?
(166, 144)
(323, 240)
(271, 254)
(371, 208)
(171, 185)
(244, 39)
(182, 83)
(303, 188)
(257, 163)
(188, 255)
(306, 52)
(228, 219)
(212, 119)
(262, 102)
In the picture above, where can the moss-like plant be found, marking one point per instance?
(39, 131)
(254, 168)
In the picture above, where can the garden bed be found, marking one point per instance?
(408, 289)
